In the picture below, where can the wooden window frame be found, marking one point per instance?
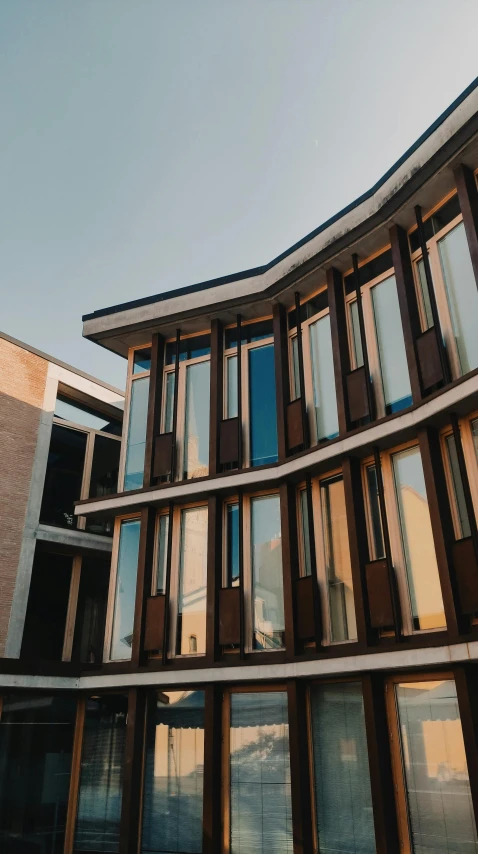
(110, 605)
(231, 500)
(173, 599)
(162, 512)
(130, 379)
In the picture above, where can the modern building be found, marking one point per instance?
(289, 652)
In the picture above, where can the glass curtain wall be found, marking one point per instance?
(191, 607)
(125, 590)
(266, 566)
(338, 571)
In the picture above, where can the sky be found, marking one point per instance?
(151, 144)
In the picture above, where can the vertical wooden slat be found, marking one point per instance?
(380, 765)
(431, 294)
(212, 769)
(468, 198)
(75, 771)
(130, 822)
(340, 345)
(281, 363)
(300, 360)
(357, 531)
(214, 556)
(442, 527)
(290, 560)
(407, 299)
(299, 768)
(363, 337)
(466, 681)
(216, 394)
(154, 405)
(143, 584)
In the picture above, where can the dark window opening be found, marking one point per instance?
(64, 475)
(45, 621)
(104, 479)
(91, 611)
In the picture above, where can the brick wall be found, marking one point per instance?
(22, 387)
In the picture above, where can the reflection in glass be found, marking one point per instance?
(162, 552)
(391, 346)
(79, 413)
(232, 545)
(125, 594)
(440, 810)
(260, 799)
(304, 533)
(104, 480)
(294, 343)
(337, 561)
(64, 476)
(356, 337)
(262, 406)
(266, 559)
(422, 281)
(462, 295)
(169, 402)
(101, 775)
(458, 492)
(196, 430)
(173, 774)
(191, 614)
(323, 379)
(343, 799)
(90, 619)
(424, 589)
(232, 387)
(142, 360)
(474, 433)
(36, 740)
(138, 413)
(376, 518)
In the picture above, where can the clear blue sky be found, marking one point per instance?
(151, 144)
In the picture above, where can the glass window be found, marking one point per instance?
(391, 346)
(196, 433)
(474, 433)
(162, 553)
(138, 413)
(191, 614)
(356, 337)
(340, 594)
(170, 379)
(90, 619)
(260, 797)
(45, 620)
(262, 406)
(440, 810)
(304, 534)
(125, 594)
(424, 589)
(378, 550)
(232, 545)
(458, 493)
(64, 476)
(325, 400)
(232, 407)
(79, 413)
(103, 480)
(462, 295)
(101, 775)
(343, 800)
(266, 560)
(422, 281)
(294, 343)
(189, 348)
(173, 774)
(250, 332)
(36, 740)
(142, 360)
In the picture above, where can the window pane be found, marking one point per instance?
(232, 389)
(391, 346)
(45, 621)
(458, 493)
(422, 281)
(162, 553)
(325, 400)
(196, 432)
(134, 468)
(424, 589)
(337, 561)
(262, 406)
(232, 545)
(266, 560)
(64, 475)
(294, 343)
(436, 774)
(306, 568)
(101, 775)
(123, 618)
(79, 413)
(142, 360)
(462, 295)
(173, 775)
(356, 338)
(260, 799)
(91, 611)
(191, 616)
(104, 480)
(376, 518)
(474, 431)
(170, 379)
(36, 739)
(343, 798)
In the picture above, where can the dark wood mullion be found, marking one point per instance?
(300, 360)
(357, 534)
(143, 584)
(290, 560)
(386, 544)
(340, 345)
(431, 294)
(299, 768)
(442, 528)
(407, 299)
(281, 364)
(214, 573)
(468, 198)
(212, 769)
(130, 822)
(363, 337)
(216, 394)
(380, 764)
(154, 405)
(466, 682)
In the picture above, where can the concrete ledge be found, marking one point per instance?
(75, 539)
